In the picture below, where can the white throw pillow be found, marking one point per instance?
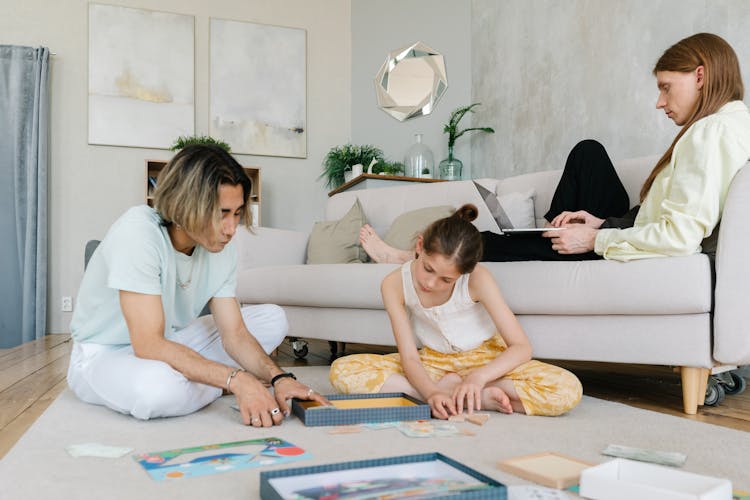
(519, 207)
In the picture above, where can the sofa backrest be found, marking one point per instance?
(383, 205)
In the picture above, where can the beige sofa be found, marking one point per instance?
(654, 311)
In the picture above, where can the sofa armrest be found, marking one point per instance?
(732, 300)
(265, 246)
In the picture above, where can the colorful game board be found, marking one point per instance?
(213, 459)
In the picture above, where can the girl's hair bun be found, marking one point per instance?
(467, 212)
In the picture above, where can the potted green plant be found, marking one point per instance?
(451, 167)
(388, 168)
(341, 158)
(188, 140)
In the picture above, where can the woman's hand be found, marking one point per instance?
(442, 405)
(578, 217)
(469, 392)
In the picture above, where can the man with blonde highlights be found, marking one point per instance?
(140, 347)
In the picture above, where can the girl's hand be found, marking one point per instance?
(578, 217)
(469, 392)
(441, 405)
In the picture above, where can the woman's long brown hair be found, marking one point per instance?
(722, 82)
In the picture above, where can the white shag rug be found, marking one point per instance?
(39, 467)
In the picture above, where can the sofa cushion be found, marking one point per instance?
(383, 205)
(323, 285)
(337, 241)
(511, 210)
(675, 285)
(406, 227)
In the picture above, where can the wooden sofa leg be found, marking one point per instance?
(705, 373)
(691, 383)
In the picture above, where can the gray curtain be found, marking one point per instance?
(24, 137)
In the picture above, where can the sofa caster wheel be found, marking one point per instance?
(300, 348)
(714, 393)
(735, 384)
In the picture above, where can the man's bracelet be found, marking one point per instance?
(280, 376)
(232, 375)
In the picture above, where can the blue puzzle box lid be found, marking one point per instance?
(434, 474)
(409, 408)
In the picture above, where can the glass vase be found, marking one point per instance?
(451, 168)
(418, 161)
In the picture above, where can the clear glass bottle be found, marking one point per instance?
(419, 161)
(451, 168)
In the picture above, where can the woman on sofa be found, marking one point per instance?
(475, 353)
(139, 347)
(701, 90)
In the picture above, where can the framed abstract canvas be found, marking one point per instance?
(141, 76)
(258, 88)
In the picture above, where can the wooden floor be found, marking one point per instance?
(33, 375)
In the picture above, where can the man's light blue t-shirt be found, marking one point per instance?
(137, 255)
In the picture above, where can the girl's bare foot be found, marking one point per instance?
(378, 250)
(495, 399)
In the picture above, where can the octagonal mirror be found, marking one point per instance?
(411, 81)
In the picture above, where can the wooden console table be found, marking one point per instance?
(367, 181)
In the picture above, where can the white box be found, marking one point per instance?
(622, 479)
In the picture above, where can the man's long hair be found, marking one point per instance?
(722, 82)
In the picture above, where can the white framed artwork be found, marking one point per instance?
(258, 88)
(141, 76)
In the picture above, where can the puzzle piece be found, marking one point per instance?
(478, 418)
(345, 429)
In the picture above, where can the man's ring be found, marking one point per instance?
(275, 411)
(310, 392)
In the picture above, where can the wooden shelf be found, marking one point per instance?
(154, 167)
(378, 178)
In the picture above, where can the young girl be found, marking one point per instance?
(476, 356)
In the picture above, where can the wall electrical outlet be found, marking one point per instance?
(67, 304)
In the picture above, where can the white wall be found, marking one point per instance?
(90, 186)
(552, 73)
(379, 27)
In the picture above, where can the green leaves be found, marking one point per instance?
(340, 158)
(451, 128)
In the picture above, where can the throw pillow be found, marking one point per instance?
(512, 210)
(337, 241)
(519, 207)
(406, 227)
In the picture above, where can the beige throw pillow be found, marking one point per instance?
(337, 241)
(407, 226)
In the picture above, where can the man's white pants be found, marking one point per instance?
(114, 377)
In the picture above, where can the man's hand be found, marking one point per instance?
(574, 239)
(257, 407)
(578, 217)
(287, 388)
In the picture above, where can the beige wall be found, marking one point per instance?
(90, 186)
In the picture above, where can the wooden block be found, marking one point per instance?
(478, 418)
(457, 418)
(345, 429)
(549, 469)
